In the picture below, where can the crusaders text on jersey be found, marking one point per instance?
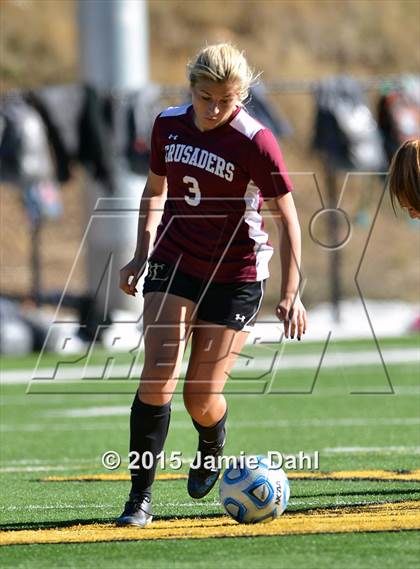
(217, 181)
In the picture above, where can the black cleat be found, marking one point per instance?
(201, 480)
(137, 512)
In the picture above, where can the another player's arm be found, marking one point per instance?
(150, 214)
(290, 308)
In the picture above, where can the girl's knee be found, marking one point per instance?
(156, 391)
(198, 405)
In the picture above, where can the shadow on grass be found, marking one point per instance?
(90, 521)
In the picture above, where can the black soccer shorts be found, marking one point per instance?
(234, 305)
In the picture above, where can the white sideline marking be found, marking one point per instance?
(106, 506)
(278, 423)
(345, 450)
(45, 461)
(409, 450)
(309, 361)
(274, 424)
(104, 411)
(46, 468)
(35, 427)
(16, 400)
(112, 411)
(112, 507)
(327, 423)
(286, 423)
(320, 391)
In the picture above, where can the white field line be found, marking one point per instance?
(44, 465)
(103, 411)
(368, 450)
(328, 451)
(123, 411)
(32, 461)
(42, 400)
(46, 468)
(270, 424)
(72, 427)
(74, 466)
(342, 422)
(111, 411)
(244, 364)
(112, 507)
(7, 399)
(104, 506)
(78, 464)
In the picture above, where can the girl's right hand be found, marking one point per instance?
(130, 274)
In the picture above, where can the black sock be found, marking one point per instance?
(148, 429)
(213, 434)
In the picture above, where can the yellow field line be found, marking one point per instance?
(377, 517)
(390, 475)
(405, 476)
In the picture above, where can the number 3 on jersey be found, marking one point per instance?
(193, 188)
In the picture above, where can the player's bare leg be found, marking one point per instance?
(214, 350)
(167, 323)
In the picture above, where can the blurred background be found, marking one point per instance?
(339, 87)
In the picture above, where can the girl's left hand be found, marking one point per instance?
(292, 313)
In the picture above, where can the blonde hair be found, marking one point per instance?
(222, 63)
(404, 175)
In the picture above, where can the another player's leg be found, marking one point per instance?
(166, 327)
(214, 350)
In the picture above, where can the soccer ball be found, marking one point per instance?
(251, 495)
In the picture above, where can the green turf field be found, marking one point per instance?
(346, 412)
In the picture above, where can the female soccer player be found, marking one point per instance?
(404, 178)
(208, 263)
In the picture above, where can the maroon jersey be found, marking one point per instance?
(217, 181)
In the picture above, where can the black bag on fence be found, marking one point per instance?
(24, 152)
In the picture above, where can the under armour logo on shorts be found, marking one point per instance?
(240, 317)
(154, 268)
